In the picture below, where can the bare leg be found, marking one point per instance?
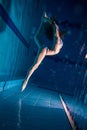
(43, 52)
(40, 56)
(55, 50)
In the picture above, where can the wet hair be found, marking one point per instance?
(49, 31)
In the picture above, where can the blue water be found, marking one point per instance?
(63, 73)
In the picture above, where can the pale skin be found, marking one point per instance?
(43, 51)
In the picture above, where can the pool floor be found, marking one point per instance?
(34, 109)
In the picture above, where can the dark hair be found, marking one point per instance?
(49, 31)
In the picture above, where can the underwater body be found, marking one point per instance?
(56, 94)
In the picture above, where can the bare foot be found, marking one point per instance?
(45, 18)
(24, 85)
(45, 15)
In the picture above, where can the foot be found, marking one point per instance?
(45, 15)
(45, 18)
(24, 85)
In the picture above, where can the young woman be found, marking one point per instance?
(52, 33)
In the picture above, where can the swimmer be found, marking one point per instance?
(52, 33)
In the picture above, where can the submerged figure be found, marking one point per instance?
(52, 33)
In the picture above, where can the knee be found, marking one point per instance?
(58, 49)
